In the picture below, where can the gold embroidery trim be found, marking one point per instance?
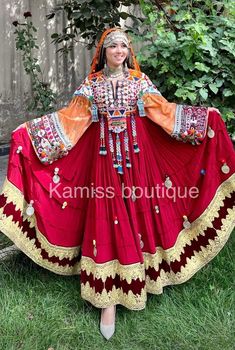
(137, 302)
(112, 268)
(115, 296)
(14, 195)
(132, 271)
(14, 232)
(185, 237)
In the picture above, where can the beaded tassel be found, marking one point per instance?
(140, 105)
(94, 113)
(134, 134)
(111, 147)
(119, 155)
(126, 143)
(103, 150)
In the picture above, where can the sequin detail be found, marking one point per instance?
(190, 124)
(115, 105)
(48, 139)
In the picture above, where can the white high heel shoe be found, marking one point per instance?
(107, 330)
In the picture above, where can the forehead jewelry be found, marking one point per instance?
(113, 37)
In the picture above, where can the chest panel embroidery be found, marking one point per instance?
(115, 105)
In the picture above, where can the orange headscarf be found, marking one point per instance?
(95, 60)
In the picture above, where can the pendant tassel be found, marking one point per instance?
(119, 155)
(103, 150)
(134, 134)
(126, 143)
(94, 113)
(111, 147)
(140, 105)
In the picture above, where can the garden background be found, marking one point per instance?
(188, 49)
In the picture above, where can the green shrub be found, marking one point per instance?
(188, 50)
(43, 98)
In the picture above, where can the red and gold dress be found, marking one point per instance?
(122, 187)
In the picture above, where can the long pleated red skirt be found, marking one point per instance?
(126, 235)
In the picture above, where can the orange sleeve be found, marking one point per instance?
(160, 111)
(182, 122)
(54, 135)
(75, 118)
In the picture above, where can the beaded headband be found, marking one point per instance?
(113, 37)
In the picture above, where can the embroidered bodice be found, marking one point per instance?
(116, 103)
(106, 97)
(114, 106)
(96, 100)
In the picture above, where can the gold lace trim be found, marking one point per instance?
(133, 271)
(194, 263)
(137, 302)
(115, 296)
(14, 195)
(112, 268)
(185, 237)
(15, 233)
(54, 250)
(197, 227)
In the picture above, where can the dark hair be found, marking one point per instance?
(102, 56)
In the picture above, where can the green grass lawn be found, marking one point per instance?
(40, 310)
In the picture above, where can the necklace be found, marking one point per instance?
(112, 73)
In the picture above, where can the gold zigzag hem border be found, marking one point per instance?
(127, 272)
(138, 302)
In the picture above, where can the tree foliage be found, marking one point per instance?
(188, 50)
(89, 19)
(43, 98)
(187, 47)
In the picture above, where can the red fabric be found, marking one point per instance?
(84, 220)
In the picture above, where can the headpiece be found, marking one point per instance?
(113, 37)
(117, 31)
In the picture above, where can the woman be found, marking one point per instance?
(122, 187)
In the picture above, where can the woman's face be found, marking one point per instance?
(116, 54)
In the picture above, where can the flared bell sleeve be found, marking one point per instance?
(55, 134)
(184, 123)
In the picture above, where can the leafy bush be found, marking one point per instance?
(89, 19)
(43, 98)
(188, 50)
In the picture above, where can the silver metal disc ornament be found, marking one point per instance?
(225, 168)
(156, 209)
(168, 182)
(30, 209)
(94, 251)
(186, 224)
(56, 179)
(210, 133)
(141, 242)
